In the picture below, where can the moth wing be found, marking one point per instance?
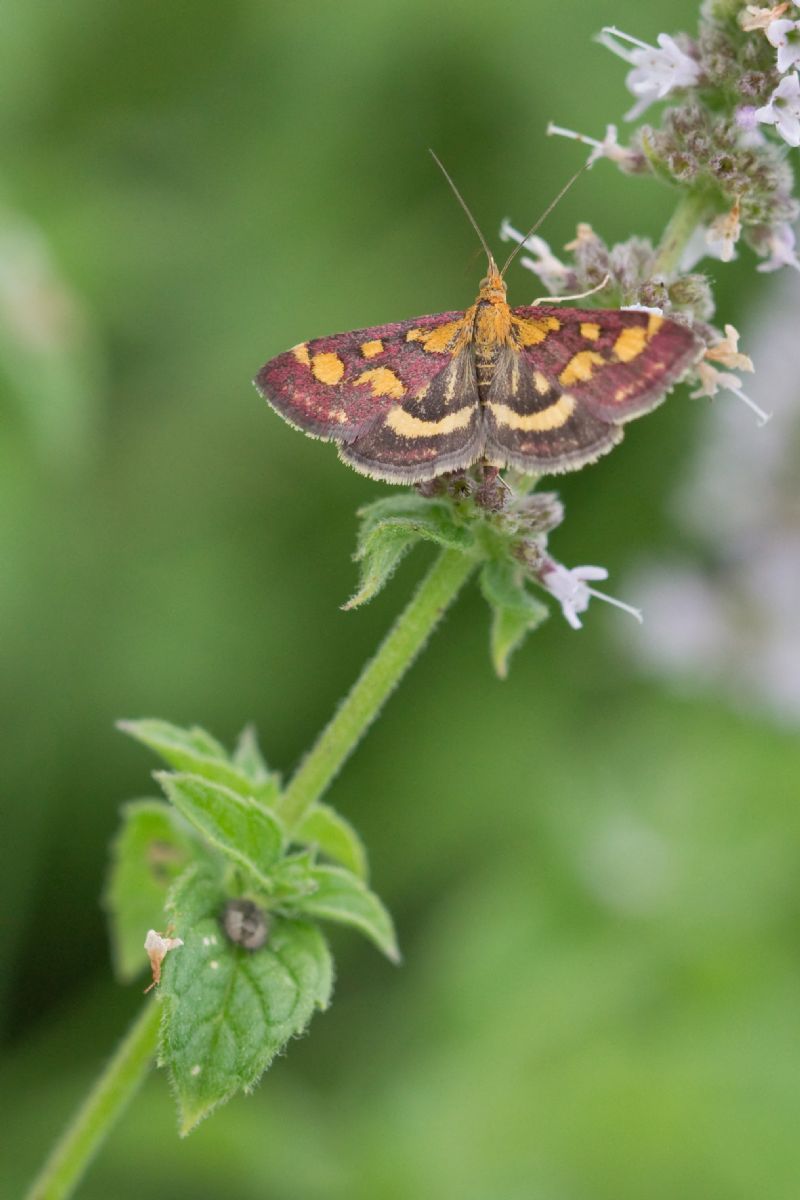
(572, 378)
(401, 400)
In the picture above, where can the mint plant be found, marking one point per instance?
(241, 872)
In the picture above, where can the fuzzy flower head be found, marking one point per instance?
(656, 70)
(570, 587)
(780, 248)
(783, 109)
(785, 37)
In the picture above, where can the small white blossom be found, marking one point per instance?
(723, 233)
(785, 37)
(569, 586)
(753, 17)
(656, 71)
(726, 351)
(702, 244)
(158, 946)
(608, 148)
(783, 109)
(550, 269)
(781, 247)
(711, 380)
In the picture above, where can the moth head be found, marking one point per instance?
(493, 288)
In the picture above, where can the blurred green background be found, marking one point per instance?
(595, 879)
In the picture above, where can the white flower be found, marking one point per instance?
(608, 148)
(655, 71)
(753, 17)
(158, 946)
(568, 585)
(780, 244)
(723, 233)
(702, 244)
(711, 380)
(785, 36)
(726, 351)
(783, 109)
(550, 269)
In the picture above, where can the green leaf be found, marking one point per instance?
(390, 527)
(515, 612)
(342, 897)
(379, 558)
(247, 757)
(335, 837)
(241, 828)
(191, 750)
(228, 1011)
(149, 852)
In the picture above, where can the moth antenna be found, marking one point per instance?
(463, 204)
(542, 218)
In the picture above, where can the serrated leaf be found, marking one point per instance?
(228, 1011)
(241, 828)
(379, 558)
(335, 837)
(247, 757)
(388, 530)
(515, 612)
(190, 750)
(343, 897)
(148, 854)
(397, 504)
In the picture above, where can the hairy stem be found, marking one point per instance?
(374, 685)
(92, 1123)
(691, 210)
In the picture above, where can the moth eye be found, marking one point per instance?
(244, 923)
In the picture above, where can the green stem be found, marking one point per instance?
(104, 1104)
(374, 685)
(691, 210)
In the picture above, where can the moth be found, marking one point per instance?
(542, 388)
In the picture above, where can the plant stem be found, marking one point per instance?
(104, 1104)
(378, 679)
(689, 212)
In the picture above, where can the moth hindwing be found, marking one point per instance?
(543, 388)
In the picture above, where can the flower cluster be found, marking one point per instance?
(734, 92)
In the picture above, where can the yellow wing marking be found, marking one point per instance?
(383, 382)
(590, 331)
(370, 349)
(581, 367)
(541, 383)
(552, 417)
(533, 331)
(436, 341)
(301, 354)
(630, 343)
(327, 368)
(407, 426)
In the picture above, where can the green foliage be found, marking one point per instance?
(515, 612)
(228, 1010)
(339, 895)
(390, 527)
(239, 827)
(335, 837)
(197, 752)
(151, 849)
(504, 535)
